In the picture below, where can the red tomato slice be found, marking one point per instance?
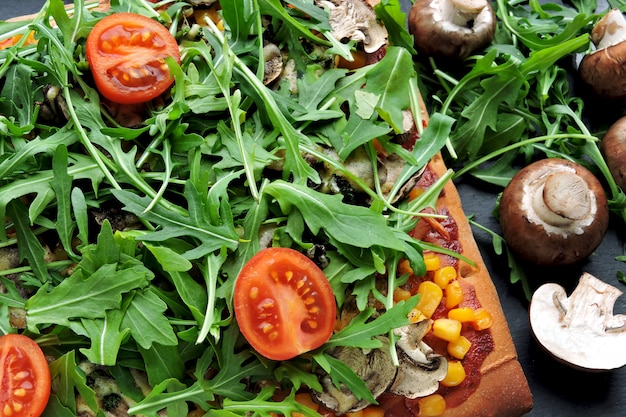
(24, 377)
(284, 303)
(126, 53)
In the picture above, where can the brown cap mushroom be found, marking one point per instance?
(452, 29)
(580, 330)
(613, 148)
(603, 69)
(554, 212)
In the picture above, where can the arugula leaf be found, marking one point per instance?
(28, 244)
(360, 332)
(209, 236)
(70, 379)
(353, 225)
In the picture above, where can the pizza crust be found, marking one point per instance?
(503, 389)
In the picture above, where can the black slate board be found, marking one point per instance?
(558, 390)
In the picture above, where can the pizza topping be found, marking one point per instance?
(421, 368)
(126, 53)
(452, 29)
(419, 372)
(356, 20)
(374, 366)
(283, 303)
(580, 330)
(554, 212)
(24, 377)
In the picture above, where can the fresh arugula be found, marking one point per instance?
(208, 172)
(514, 102)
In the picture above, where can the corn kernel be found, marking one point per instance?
(404, 267)
(306, 399)
(430, 298)
(431, 405)
(462, 314)
(458, 348)
(400, 294)
(415, 316)
(447, 329)
(415, 193)
(432, 261)
(444, 276)
(482, 319)
(455, 374)
(454, 294)
(373, 411)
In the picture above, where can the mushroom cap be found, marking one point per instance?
(554, 212)
(452, 29)
(604, 69)
(580, 330)
(613, 147)
(356, 20)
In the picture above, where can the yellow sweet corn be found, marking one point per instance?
(431, 405)
(447, 329)
(456, 374)
(416, 316)
(430, 298)
(400, 294)
(482, 319)
(459, 347)
(444, 276)
(373, 411)
(404, 267)
(432, 261)
(454, 294)
(462, 314)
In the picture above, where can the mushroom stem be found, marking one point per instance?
(610, 30)
(563, 198)
(463, 12)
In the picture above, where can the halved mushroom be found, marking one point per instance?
(421, 369)
(554, 212)
(580, 330)
(356, 20)
(375, 367)
(418, 374)
(603, 69)
(452, 29)
(273, 59)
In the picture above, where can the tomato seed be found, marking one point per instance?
(17, 407)
(254, 292)
(314, 310)
(19, 392)
(312, 324)
(273, 336)
(266, 327)
(289, 275)
(21, 375)
(309, 300)
(106, 47)
(7, 411)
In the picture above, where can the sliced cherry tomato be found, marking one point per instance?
(126, 53)
(24, 377)
(284, 303)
